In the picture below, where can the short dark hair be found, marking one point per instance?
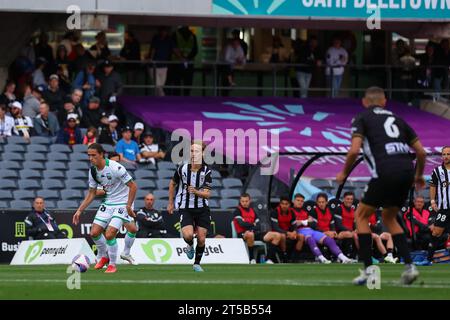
(444, 147)
(113, 154)
(245, 195)
(284, 198)
(299, 195)
(322, 195)
(349, 193)
(98, 147)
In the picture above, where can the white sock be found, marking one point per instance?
(390, 254)
(342, 257)
(322, 258)
(113, 248)
(100, 242)
(129, 240)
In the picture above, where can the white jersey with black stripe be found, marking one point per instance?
(184, 177)
(440, 179)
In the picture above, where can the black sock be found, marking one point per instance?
(191, 242)
(432, 246)
(199, 254)
(271, 251)
(250, 253)
(402, 247)
(365, 248)
(388, 251)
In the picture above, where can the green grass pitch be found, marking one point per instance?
(280, 281)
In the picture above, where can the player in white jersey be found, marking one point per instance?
(117, 207)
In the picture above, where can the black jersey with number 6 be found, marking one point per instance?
(386, 140)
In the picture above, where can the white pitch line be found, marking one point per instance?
(294, 283)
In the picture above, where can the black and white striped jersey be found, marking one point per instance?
(185, 177)
(386, 141)
(440, 178)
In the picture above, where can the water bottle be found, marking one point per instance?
(262, 258)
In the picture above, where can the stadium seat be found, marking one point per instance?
(257, 245)
(41, 140)
(166, 165)
(66, 204)
(145, 184)
(12, 157)
(29, 184)
(94, 204)
(53, 174)
(70, 194)
(161, 204)
(254, 193)
(78, 156)
(145, 174)
(142, 193)
(232, 183)
(76, 174)
(108, 148)
(147, 166)
(58, 156)
(38, 148)
(80, 148)
(164, 174)
(77, 184)
(138, 204)
(6, 195)
(163, 184)
(52, 184)
(35, 156)
(7, 184)
(10, 165)
(216, 174)
(79, 165)
(214, 194)
(161, 194)
(230, 194)
(16, 140)
(229, 203)
(63, 148)
(216, 183)
(50, 204)
(29, 174)
(21, 204)
(33, 165)
(213, 204)
(54, 165)
(14, 148)
(23, 195)
(7, 174)
(4, 205)
(48, 194)
(129, 166)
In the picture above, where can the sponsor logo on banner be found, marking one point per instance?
(33, 251)
(157, 250)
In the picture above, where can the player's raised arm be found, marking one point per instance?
(90, 196)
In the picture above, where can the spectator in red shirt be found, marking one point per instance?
(70, 134)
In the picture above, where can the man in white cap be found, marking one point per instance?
(23, 126)
(109, 134)
(137, 132)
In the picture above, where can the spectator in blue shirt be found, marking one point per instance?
(127, 148)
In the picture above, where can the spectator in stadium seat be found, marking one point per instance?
(127, 148)
(38, 76)
(54, 96)
(86, 82)
(39, 224)
(70, 134)
(161, 49)
(110, 84)
(306, 224)
(109, 134)
(69, 107)
(150, 221)
(32, 101)
(23, 126)
(137, 132)
(6, 123)
(8, 96)
(248, 228)
(337, 58)
(150, 151)
(90, 136)
(45, 124)
(94, 113)
(420, 217)
(283, 222)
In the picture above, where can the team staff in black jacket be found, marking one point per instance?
(39, 224)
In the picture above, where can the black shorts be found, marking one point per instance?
(258, 235)
(389, 190)
(442, 219)
(195, 217)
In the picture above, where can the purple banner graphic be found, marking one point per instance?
(311, 125)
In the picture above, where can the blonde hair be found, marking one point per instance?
(199, 143)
